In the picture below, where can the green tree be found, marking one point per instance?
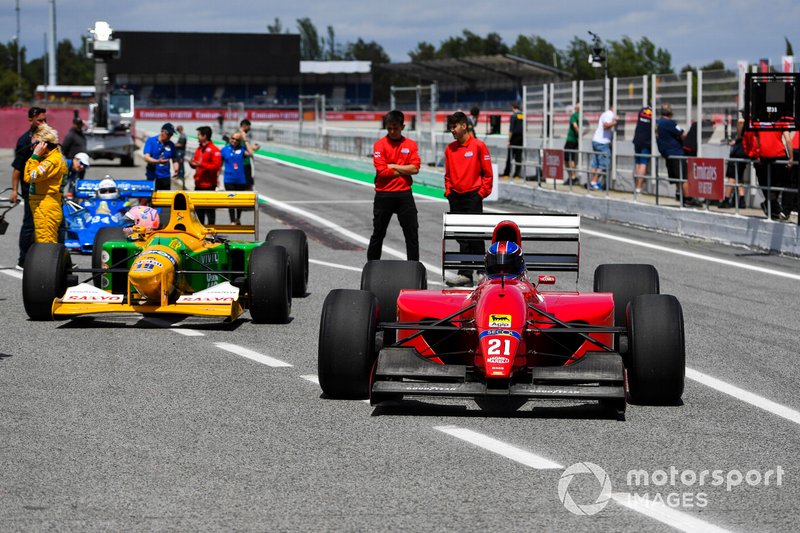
(629, 58)
(471, 44)
(311, 46)
(789, 49)
(536, 49)
(276, 27)
(423, 52)
(74, 68)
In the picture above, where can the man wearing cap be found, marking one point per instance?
(76, 166)
(161, 157)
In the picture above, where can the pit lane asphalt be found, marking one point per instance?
(118, 423)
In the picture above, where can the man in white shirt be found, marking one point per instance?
(601, 146)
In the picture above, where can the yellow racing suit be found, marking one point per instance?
(45, 177)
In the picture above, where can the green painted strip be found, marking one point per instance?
(345, 172)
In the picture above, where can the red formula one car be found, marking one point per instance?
(509, 336)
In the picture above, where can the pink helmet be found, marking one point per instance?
(143, 217)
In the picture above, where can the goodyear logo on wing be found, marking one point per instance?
(499, 321)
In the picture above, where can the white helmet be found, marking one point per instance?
(107, 189)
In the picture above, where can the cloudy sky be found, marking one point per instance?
(695, 32)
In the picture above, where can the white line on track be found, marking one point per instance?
(665, 515)
(13, 272)
(501, 448)
(355, 269)
(188, 332)
(660, 512)
(355, 237)
(250, 354)
(692, 255)
(745, 396)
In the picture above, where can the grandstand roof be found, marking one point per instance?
(477, 69)
(335, 67)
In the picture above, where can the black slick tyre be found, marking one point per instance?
(44, 278)
(385, 279)
(656, 350)
(296, 244)
(104, 235)
(346, 351)
(625, 281)
(269, 285)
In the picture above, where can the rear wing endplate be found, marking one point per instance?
(561, 229)
(245, 200)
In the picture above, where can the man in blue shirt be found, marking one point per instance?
(160, 154)
(233, 158)
(670, 137)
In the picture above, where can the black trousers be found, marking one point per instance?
(468, 202)
(385, 205)
(235, 214)
(26, 231)
(515, 153)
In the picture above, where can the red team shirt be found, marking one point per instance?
(205, 175)
(401, 152)
(467, 168)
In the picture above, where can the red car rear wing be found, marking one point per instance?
(559, 233)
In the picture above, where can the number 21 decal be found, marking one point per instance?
(494, 346)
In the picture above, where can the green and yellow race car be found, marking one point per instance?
(177, 267)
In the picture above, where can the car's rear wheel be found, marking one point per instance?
(269, 282)
(44, 278)
(385, 279)
(346, 351)
(625, 281)
(103, 235)
(296, 244)
(656, 352)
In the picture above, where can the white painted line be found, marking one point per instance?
(250, 354)
(745, 396)
(501, 448)
(693, 255)
(330, 202)
(664, 514)
(355, 269)
(188, 332)
(336, 227)
(335, 265)
(313, 378)
(13, 272)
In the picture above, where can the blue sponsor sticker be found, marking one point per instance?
(164, 254)
(504, 332)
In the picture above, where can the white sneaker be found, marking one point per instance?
(18, 267)
(458, 280)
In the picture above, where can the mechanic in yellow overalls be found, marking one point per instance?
(45, 171)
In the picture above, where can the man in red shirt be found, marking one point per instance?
(207, 162)
(467, 180)
(766, 148)
(396, 159)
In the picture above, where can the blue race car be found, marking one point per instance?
(98, 204)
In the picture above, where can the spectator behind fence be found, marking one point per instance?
(474, 112)
(670, 137)
(766, 148)
(601, 146)
(734, 170)
(571, 146)
(249, 167)
(515, 141)
(642, 146)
